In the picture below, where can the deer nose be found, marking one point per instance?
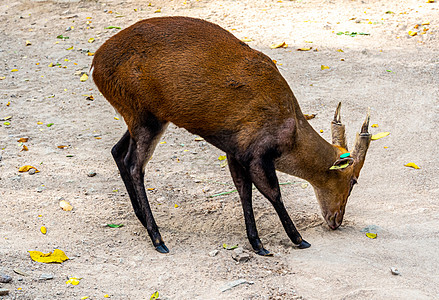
(334, 221)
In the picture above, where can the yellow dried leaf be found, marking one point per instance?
(412, 33)
(412, 165)
(27, 168)
(426, 23)
(339, 50)
(379, 135)
(62, 146)
(65, 205)
(14, 70)
(199, 139)
(304, 49)
(323, 67)
(73, 281)
(374, 125)
(279, 45)
(158, 11)
(246, 40)
(2, 77)
(371, 235)
(430, 1)
(222, 157)
(90, 53)
(28, 43)
(84, 77)
(43, 229)
(91, 40)
(176, 205)
(25, 148)
(23, 140)
(309, 116)
(57, 256)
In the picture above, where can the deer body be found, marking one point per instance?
(200, 77)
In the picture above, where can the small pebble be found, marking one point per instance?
(394, 271)
(213, 253)
(5, 278)
(91, 174)
(45, 277)
(240, 256)
(31, 171)
(4, 292)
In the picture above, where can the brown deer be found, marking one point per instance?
(200, 77)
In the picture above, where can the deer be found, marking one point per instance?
(200, 77)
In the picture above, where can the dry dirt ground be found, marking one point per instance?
(393, 73)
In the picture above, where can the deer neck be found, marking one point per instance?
(310, 157)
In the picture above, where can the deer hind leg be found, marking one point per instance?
(243, 183)
(263, 175)
(131, 154)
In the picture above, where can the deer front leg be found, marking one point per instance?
(263, 175)
(243, 184)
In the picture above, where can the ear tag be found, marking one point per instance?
(344, 155)
(344, 166)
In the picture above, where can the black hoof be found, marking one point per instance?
(162, 248)
(303, 245)
(263, 252)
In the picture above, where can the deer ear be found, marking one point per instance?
(342, 163)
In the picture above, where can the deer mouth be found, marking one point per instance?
(334, 220)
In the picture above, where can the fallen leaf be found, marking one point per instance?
(115, 225)
(323, 67)
(304, 49)
(175, 205)
(412, 165)
(339, 50)
(158, 11)
(371, 235)
(91, 40)
(112, 27)
(106, 296)
(25, 148)
(379, 135)
(228, 247)
(49, 124)
(426, 23)
(309, 117)
(7, 123)
(246, 40)
(430, 1)
(222, 157)
(70, 48)
(2, 77)
(65, 205)
(154, 296)
(83, 78)
(199, 139)
(62, 37)
(28, 43)
(374, 126)
(14, 70)
(43, 230)
(57, 256)
(23, 140)
(73, 281)
(412, 33)
(6, 118)
(279, 45)
(85, 297)
(27, 168)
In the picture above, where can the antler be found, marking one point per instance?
(361, 145)
(338, 129)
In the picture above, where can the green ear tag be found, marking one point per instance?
(339, 167)
(344, 155)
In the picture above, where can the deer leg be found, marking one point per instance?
(243, 184)
(263, 175)
(132, 160)
(119, 153)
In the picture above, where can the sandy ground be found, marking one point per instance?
(393, 73)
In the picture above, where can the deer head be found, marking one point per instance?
(343, 174)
